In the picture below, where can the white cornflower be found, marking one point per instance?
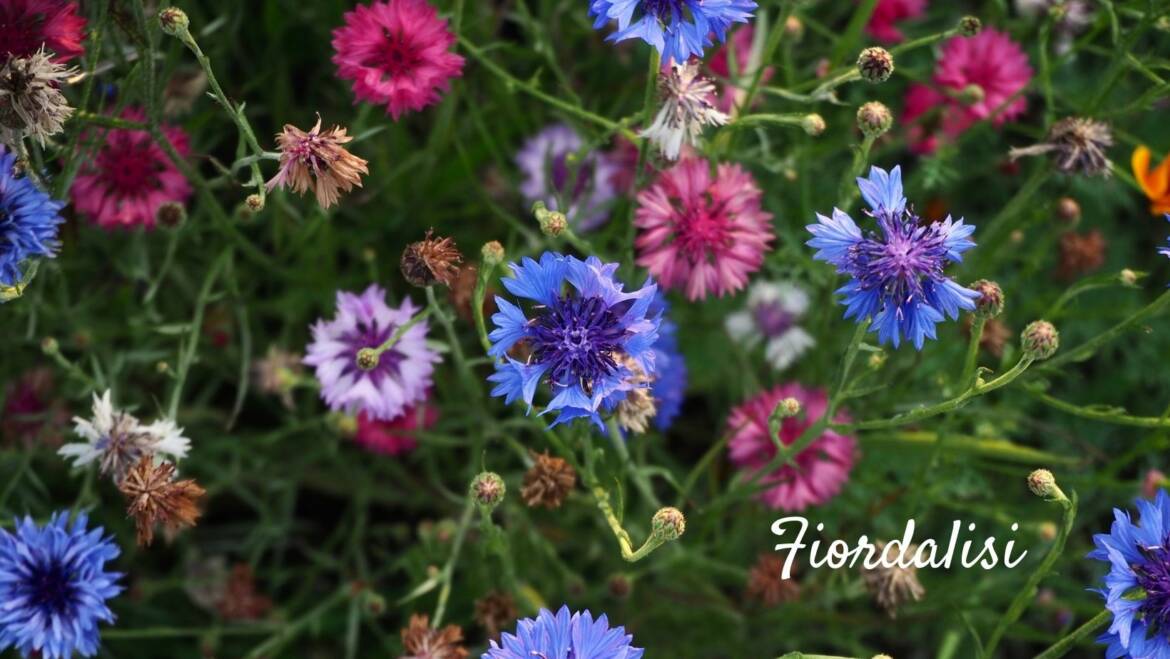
(116, 440)
(687, 106)
(31, 102)
(771, 317)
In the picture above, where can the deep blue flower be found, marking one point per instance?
(28, 221)
(564, 636)
(1139, 558)
(1166, 250)
(896, 276)
(581, 328)
(677, 28)
(670, 385)
(54, 587)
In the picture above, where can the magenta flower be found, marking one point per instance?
(822, 468)
(396, 53)
(27, 24)
(402, 374)
(398, 436)
(887, 13)
(702, 235)
(978, 78)
(131, 177)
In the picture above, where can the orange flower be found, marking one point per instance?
(1155, 183)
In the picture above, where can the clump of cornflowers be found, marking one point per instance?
(31, 102)
(397, 54)
(556, 172)
(979, 78)
(397, 436)
(1137, 587)
(54, 586)
(131, 177)
(820, 470)
(896, 274)
(678, 29)
(317, 160)
(362, 366)
(565, 634)
(1155, 183)
(687, 107)
(117, 440)
(670, 383)
(29, 221)
(26, 26)
(887, 14)
(584, 330)
(701, 234)
(774, 311)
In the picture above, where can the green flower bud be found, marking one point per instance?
(875, 64)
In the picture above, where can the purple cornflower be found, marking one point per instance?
(385, 387)
(677, 28)
(581, 188)
(897, 277)
(591, 341)
(564, 635)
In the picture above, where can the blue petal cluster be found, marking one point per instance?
(1165, 251)
(28, 221)
(1138, 558)
(54, 587)
(896, 274)
(679, 29)
(670, 385)
(564, 635)
(581, 327)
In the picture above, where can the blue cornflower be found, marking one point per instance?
(1137, 588)
(54, 587)
(587, 339)
(670, 385)
(1166, 250)
(564, 635)
(677, 28)
(28, 221)
(896, 275)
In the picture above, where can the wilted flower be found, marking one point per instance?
(397, 54)
(1080, 253)
(1078, 144)
(679, 29)
(702, 235)
(155, 497)
(548, 481)
(891, 587)
(29, 221)
(774, 311)
(556, 172)
(564, 634)
(317, 160)
(241, 601)
(766, 583)
(886, 13)
(117, 440)
(420, 641)
(54, 585)
(1155, 183)
(397, 436)
(897, 277)
(494, 611)
(821, 469)
(687, 108)
(27, 26)
(635, 411)
(431, 261)
(277, 373)
(387, 384)
(31, 102)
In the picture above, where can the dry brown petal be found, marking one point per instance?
(548, 482)
(154, 498)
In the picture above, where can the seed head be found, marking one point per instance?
(31, 102)
(1040, 340)
(547, 482)
(875, 64)
(431, 261)
(154, 497)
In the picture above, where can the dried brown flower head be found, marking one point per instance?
(1078, 145)
(996, 334)
(277, 373)
(240, 599)
(495, 611)
(421, 642)
(31, 102)
(1080, 253)
(318, 160)
(548, 482)
(155, 497)
(431, 261)
(891, 587)
(764, 584)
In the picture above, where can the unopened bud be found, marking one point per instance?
(1043, 483)
(990, 302)
(373, 603)
(877, 359)
(1040, 340)
(874, 119)
(488, 489)
(619, 586)
(1068, 210)
(793, 28)
(813, 124)
(170, 214)
(1128, 277)
(875, 64)
(254, 203)
(173, 21)
(668, 524)
(49, 346)
(970, 26)
(552, 223)
(367, 359)
(971, 94)
(492, 253)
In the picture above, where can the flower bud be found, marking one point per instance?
(990, 302)
(874, 119)
(971, 94)
(488, 489)
(813, 124)
(875, 64)
(170, 214)
(619, 586)
(1068, 210)
(492, 253)
(793, 28)
(668, 524)
(970, 26)
(1040, 340)
(877, 359)
(373, 603)
(254, 203)
(552, 223)
(1128, 277)
(173, 21)
(1042, 483)
(49, 346)
(367, 359)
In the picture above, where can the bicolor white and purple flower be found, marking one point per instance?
(555, 171)
(774, 311)
(564, 635)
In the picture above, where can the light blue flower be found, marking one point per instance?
(679, 29)
(564, 635)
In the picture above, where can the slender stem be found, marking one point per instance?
(482, 277)
(1086, 349)
(640, 480)
(187, 355)
(289, 631)
(601, 496)
(1082, 633)
(968, 377)
(452, 560)
(401, 330)
(1107, 415)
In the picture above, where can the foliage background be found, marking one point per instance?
(311, 512)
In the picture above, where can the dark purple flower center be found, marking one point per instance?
(578, 338)
(1154, 578)
(900, 259)
(664, 9)
(371, 335)
(772, 319)
(563, 177)
(50, 588)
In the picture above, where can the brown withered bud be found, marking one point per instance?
(155, 497)
(431, 261)
(1080, 253)
(765, 583)
(240, 599)
(495, 612)
(548, 482)
(420, 641)
(891, 587)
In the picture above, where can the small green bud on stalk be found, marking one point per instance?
(813, 124)
(990, 302)
(1043, 484)
(492, 253)
(1040, 340)
(173, 21)
(487, 490)
(874, 119)
(875, 64)
(668, 524)
(970, 26)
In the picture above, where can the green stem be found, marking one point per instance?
(482, 278)
(1115, 416)
(452, 560)
(1082, 633)
(601, 496)
(401, 330)
(640, 480)
(291, 630)
(190, 348)
(1086, 349)
(968, 377)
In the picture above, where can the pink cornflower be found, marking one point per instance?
(27, 24)
(735, 87)
(396, 53)
(130, 177)
(821, 469)
(882, 21)
(977, 78)
(317, 160)
(398, 436)
(702, 235)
